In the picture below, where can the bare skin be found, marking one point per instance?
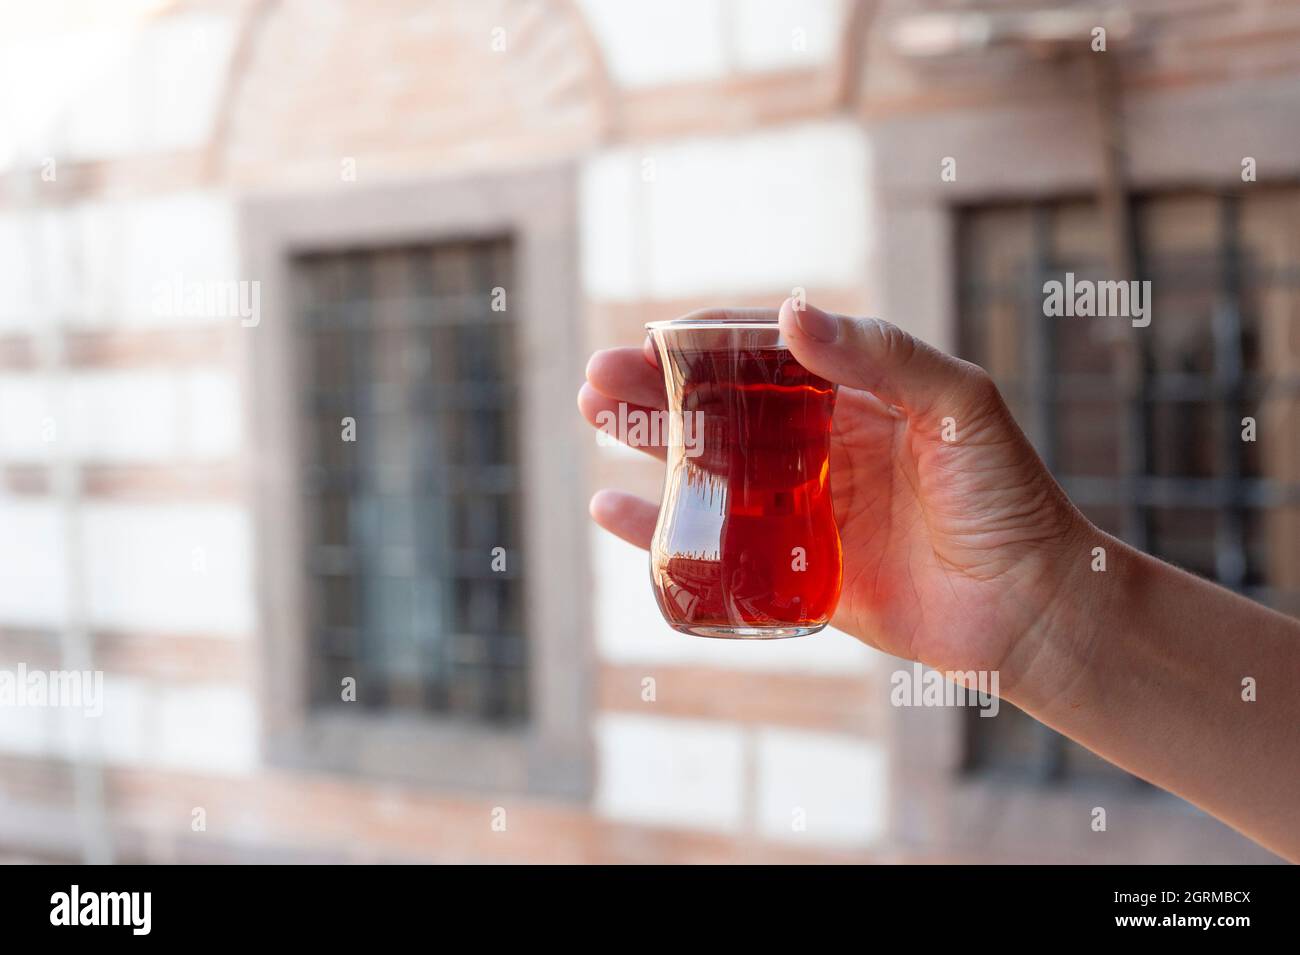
(965, 554)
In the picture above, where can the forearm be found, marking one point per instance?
(1148, 666)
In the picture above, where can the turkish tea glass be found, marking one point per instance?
(746, 545)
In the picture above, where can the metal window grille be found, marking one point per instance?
(1160, 459)
(402, 351)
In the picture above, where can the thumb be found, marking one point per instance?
(875, 356)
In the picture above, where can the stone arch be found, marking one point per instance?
(407, 89)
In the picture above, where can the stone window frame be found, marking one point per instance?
(537, 210)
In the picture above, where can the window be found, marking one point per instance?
(408, 384)
(375, 555)
(1158, 459)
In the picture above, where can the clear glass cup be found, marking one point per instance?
(746, 545)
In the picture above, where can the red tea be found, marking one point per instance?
(746, 544)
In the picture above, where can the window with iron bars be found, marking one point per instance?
(407, 383)
(1160, 457)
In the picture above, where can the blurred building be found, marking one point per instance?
(295, 296)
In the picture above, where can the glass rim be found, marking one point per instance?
(711, 323)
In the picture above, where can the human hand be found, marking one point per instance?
(961, 551)
(956, 539)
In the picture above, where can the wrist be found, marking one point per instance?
(1087, 584)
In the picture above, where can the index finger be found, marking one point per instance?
(624, 375)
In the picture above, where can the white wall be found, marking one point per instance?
(774, 209)
(804, 788)
(157, 567)
(125, 86)
(648, 44)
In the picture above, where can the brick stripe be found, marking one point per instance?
(162, 658)
(201, 343)
(734, 104)
(170, 658)
(17, 353)
(24, 479)
(836, 704)
(156, 483)
(354, 821)
(162, 482)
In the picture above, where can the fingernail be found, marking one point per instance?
(816, 324)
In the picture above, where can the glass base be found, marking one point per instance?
(750, 633)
